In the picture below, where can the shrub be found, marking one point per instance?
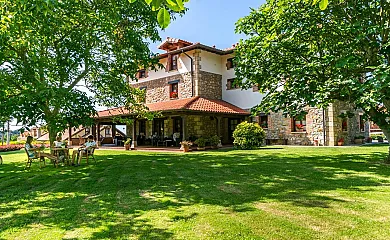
(248, 136)
(201, 142)
(214, 141)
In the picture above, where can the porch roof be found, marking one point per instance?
(196, 104)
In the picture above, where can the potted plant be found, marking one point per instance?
(174, 95)
(201, 142)
(359, 139)
(127, 144)
(185, 146)
(380, 138)
(299, 127)
(214, 141)
(340, 142)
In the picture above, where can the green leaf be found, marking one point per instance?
(148, 1)
(132, 1)
(156, 4)
(323, 4)
(163, 18)
(180, 4)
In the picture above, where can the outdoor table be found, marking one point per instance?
(57, 149)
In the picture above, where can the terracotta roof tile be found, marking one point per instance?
(188, 104)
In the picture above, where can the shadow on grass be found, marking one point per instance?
(111, 197)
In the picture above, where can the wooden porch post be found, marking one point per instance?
(134, 137)
(99, 141)
(94, 131)
(219, 125)
(184, 120)
(113, 132)
(219, 121)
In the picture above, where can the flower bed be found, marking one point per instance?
(8, 148)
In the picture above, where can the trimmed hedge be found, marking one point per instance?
(248, 136)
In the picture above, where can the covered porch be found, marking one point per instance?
(185, 119)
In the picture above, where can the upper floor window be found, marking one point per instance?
(263, 121)
(142, 74)
(172, 62)
(174, 90)
(298, 124)
(230, 63)
(231, 84)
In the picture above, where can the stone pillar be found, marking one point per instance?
(330, 126)
(134, 137)
(99, 139)
(70, 136)
(197, 68)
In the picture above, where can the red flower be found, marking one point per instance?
(174, 95)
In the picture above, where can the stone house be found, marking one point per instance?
(197, 96)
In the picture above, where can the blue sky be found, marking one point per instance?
(210, 22)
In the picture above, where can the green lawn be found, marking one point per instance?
(272, 193)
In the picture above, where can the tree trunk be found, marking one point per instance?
(387, 134)
(52, 134)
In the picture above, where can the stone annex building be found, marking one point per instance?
(196, 96)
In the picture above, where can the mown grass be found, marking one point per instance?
(272, 193)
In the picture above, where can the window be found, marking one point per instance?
(344, 125)
(141, 73)
(174, 90)
(172, 62)
(230, 63)
(231, 84)
(298, 125)
(362, 124)
(263, 121)
(108, 131)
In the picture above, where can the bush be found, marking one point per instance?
(248, 136)
(201, 142)
(214, 141)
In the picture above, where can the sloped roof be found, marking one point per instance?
(197, 104)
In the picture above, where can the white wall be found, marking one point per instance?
(210, 62)
(244, 99)
(185, 66)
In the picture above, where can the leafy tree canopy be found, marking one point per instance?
(50, 48)
(299, 56)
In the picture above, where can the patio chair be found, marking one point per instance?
(30, 159)
(89, 154)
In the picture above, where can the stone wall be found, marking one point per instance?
(210, 85)
(158, 90)
(280, 128)
(201, 126)
(335, 130)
